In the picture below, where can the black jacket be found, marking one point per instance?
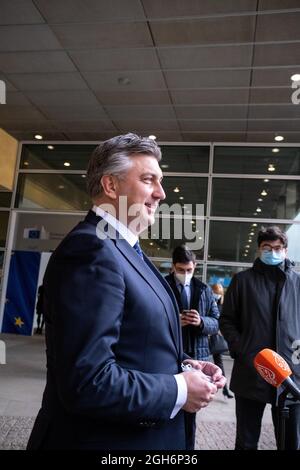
(261, 310)
(195, 338)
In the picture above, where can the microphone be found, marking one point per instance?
(275, 370)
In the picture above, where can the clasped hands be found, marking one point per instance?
(203, 383)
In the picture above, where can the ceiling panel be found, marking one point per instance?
(289, 111)
(234, 29)
(216, 96)
(169, 8)
(98, 60)
(133, 97)
(32, 126)
(140, 112)
(277, 54)
(213, 136)
(19, 12)
(269, 137)
(90, 136)
(214, 126)
(107, 35)
(15, 112)
(279, 27)
(69, 11)
(207, 78)
(27, 38)
(63, 98)
(277, 4)
(276, 125)
(48, 135)
(106, 81)
(40, 62)
(273, 77)
(73, 113)
(270, 95)
(211, 112)
(84, 126)
(200, 57)
(146, 126)
(48, 81)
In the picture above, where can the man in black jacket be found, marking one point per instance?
(262, 310)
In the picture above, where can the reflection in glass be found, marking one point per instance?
(222, 274)
(166, 234)
(40, 156)
(186, 191)
(52, 191)
(237, 241)
(185, 158)
(256, 160)
(4, 215)
(274, 199)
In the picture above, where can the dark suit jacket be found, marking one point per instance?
(195, 338)
(113, 344)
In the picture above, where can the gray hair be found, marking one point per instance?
(112, 157)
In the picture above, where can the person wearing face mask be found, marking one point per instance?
(262, 310)
(218, 293)
(198, 315)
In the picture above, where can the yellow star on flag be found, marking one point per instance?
(19, 322)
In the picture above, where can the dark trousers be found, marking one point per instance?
(249, 415)
(190, 430)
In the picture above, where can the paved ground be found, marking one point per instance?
(22, 381)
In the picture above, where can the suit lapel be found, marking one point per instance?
(146, 270)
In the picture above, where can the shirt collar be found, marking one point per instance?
(124, 231)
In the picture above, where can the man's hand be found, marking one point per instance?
(200, 391)
(190, 317)
(210, 370)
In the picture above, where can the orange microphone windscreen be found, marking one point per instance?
(272, 367)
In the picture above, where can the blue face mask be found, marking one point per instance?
(272, 258)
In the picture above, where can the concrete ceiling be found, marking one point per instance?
(184, 70)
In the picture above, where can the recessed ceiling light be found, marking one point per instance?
(250, 240)
(165, 166)
(151, 243)
(83, 176)
(181, 197)
(266, 180)
(258, 209)
(38, 137)
(275, 150)
(50, 147)
(67, 164)
(152, 137)
(176, 190)
(247, 246)
(295, 77)
(26, 163)
(259, 199)
(123, 81)
(254, 225)
(279, 138)
(271, 167)
(61, 186)
(264, 192)
(251, 233)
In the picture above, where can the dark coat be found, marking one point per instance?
(261, 310)
(195, 338)
(113, 345)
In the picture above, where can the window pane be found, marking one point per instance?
(185, 159)
(5, 198)
(51, 191)
(272, 199)
(1, 268)
(236, 241)
(162, 237)
(4, 215)
(39, 156)
(42, 232)
(256, 160)
(222, 274)
(187, 191)
(165, 268)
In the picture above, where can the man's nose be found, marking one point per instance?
(159, 192)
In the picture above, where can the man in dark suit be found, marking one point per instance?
(113, 337)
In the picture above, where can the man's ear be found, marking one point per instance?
(108, 183)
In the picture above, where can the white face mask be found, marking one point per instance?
(184, 279)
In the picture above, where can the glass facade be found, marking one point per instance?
(217, 198)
